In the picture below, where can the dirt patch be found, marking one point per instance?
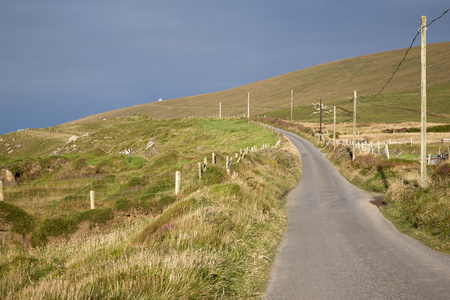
(378, 200)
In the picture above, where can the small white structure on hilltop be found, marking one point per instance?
(160, 100)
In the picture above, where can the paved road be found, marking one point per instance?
(339, 246)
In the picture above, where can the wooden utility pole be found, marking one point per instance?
(292, 104)
(423, 96)
(320, 129)
(354, 126)
(248, 106)
(334, 129)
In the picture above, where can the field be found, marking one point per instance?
(393, 134)
(216, 239)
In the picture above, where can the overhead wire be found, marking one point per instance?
(406, 53)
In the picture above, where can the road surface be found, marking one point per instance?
(339, 246)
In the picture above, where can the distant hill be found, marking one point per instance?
(333, 81)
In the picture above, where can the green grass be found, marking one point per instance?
(157, 147)
(408, 156)
(216, 239)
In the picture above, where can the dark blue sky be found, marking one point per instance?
(63, 60)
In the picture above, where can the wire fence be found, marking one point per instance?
(107, 188)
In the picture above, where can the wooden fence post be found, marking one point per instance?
(177, 182)
(2, 197)
(214, 159)
(92, 199)
(200, 170)
(387, 151)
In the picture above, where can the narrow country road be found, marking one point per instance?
(339, 246)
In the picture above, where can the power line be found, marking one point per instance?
(438, 17)
(406, 53)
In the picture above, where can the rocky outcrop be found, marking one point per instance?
(7, 177)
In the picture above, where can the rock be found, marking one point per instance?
(7, 177)
(34, 168)
(150, 144)
(73, 138)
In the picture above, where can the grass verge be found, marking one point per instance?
(421, 212)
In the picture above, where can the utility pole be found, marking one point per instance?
(292, 104)
(334, 129)
(320, 129)
(354, 126)
(423, 96)
(248, 106)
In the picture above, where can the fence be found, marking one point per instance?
(230, 160)
(369, 147)
(86, 192)
(81, 192)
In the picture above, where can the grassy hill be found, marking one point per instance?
(215, 239)
(333, 81)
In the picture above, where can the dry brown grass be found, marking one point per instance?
(422, 212)
(221, 247)
(333, 81)
(399, 142)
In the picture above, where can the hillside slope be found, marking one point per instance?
(332, 81)
(214, 238)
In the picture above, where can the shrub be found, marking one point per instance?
(57, 226)
(442, 173)
(22, 223)
(438, 128)
(158, 205)
(213, 175)
(69, 224)
(123, 204)
(97, 216)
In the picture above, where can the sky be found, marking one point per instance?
(61, 60)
